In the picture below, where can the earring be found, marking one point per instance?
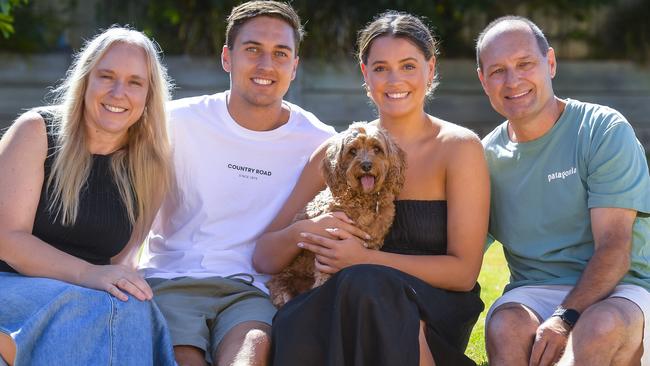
(429, 86)
(365, 86)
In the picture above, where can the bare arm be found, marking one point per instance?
(612, 231)
(129, 255)
(22, 154)
(277, 247)
(467, 191)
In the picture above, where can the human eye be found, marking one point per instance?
(379, 69)
(252, 49)
(136, 83)
(409, 66)
(496, 71)
(526, 64)
(281, 54)
(105, 75)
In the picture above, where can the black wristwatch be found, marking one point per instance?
(569, 316)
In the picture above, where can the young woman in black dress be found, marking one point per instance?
(415, 301)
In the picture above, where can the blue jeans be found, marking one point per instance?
(56, 323)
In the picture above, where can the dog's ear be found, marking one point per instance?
(331, 169)
(397, 169)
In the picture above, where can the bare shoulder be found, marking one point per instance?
(463, 152)
(458, 140)
(29, 124)
(27, 134)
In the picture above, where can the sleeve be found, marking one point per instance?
(617, 168)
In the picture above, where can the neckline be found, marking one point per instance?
(242, 131)
(541, 141)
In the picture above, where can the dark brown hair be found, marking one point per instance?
(399, 25)
(252, 9)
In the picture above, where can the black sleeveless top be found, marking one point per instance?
(102, 228)
(419, 228)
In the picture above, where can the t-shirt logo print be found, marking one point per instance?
(248, 172)
(562, 174)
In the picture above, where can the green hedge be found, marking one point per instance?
(197, 26)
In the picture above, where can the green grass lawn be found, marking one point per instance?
(494, 276)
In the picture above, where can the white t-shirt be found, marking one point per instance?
(231, 184)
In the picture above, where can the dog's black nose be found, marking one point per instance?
(366, 166)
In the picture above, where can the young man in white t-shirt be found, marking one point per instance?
(237, 156)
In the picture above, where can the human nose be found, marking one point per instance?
(118, 89)
(393, 77)
(512, 78)
(265, 61)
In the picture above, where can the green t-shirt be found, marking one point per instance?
(542, 191)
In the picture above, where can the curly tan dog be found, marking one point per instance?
(364, 172)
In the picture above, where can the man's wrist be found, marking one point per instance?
(569, 316)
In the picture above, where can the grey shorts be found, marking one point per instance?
(543, 300)
(200, 311)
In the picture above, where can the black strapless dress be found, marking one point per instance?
(370, 314)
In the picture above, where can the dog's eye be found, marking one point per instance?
(377, 150)
(353, 152)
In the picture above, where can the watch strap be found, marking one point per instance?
(569, 316)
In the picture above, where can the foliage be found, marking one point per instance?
(197, 26)
(6, 19)
(626, 32)
(611, 28)
(39, 26)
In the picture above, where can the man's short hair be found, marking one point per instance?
(252, 9)
(542, 42)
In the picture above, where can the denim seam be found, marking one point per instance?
(111, 330)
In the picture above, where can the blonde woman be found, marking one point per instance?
(81, 181)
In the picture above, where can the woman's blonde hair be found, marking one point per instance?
(141, 169)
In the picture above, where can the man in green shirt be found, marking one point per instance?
(570, 204)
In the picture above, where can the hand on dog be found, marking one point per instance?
(333, 220)
(334, 254)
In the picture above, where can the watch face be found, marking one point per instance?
(569, 316)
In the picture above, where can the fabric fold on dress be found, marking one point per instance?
(370, 314)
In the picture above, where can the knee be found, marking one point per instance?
(511, 323)
(601, 323)
(189, 356)
(257, 338)
(247, 344)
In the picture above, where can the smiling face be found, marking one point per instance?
(397, 75)
(516, 76)
(262, 63)
(117, 89)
